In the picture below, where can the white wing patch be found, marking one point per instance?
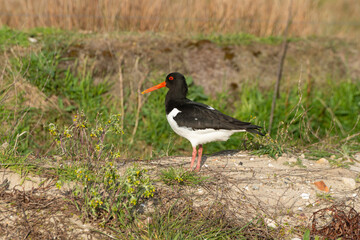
(211, 108)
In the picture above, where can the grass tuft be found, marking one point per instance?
(179, 176)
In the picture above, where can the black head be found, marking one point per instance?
(177, 84)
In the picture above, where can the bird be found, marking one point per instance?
(197, 122)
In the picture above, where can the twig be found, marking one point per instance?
(27, 222)
(333, 116)
(350, 137)
(140, 103)
(121, 82)
(280, 68)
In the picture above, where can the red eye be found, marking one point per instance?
(171, 78)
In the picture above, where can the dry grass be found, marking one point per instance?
(259, 17)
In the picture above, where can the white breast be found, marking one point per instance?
(200, 136)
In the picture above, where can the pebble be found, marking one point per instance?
(205, 165)
(305, 196)
(302, 156)
(322, 161)
(240, 163)
(296, 239)
(270, 165)
(350, 182)
(357, 156)
(355, 168)
(32, 40)
(282, 159)
(270, 223)
(332, 156)
(300, 209)
(252, 159)
(292, 160)
(255, 187)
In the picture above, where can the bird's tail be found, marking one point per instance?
(255, 130)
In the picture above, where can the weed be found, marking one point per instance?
(241, 38)
(10, 37)
(104, 193)
(298, 163)
(83, 141)
(341, 163)
(325, 197)
(268, 146)
(184, 222)
(174, 176)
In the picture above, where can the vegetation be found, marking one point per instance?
(53, 106)
(180, 176)
(261, 18)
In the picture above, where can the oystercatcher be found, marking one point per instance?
(197, 122)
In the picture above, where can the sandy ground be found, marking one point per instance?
(279, 191)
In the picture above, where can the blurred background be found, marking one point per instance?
(258, 17)
(61, 57)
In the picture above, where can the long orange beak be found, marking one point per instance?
(161, 85)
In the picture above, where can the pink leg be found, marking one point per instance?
(193, 158)
(199, 158)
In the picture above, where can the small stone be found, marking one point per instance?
(282, 159)
(292, 160)
(357, 156)
(349, 182)
(332, 157)
(302, 156)
(355, 168)
(240, 163)
(296, 239)
(205, 165)
(252, 159)
(270, 165)
(200, 191)
(32, 40)
(305, 196)
(354, 195)
(322, 161)
(300, 209)
(255, 187)
(270, 223)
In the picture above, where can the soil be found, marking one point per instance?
(282, 192)
(215, 67)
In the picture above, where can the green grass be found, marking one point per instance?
(10, 37)
(185, 223)
(180, 176)
(301, 117)
(317, 120)
(241, 39)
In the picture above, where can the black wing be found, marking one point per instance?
(200, 116)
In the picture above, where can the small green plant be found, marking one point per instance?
(269, 146)
(80, 140)
(105, 193)
(325, 197)
(179, 176)
(298, 163)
